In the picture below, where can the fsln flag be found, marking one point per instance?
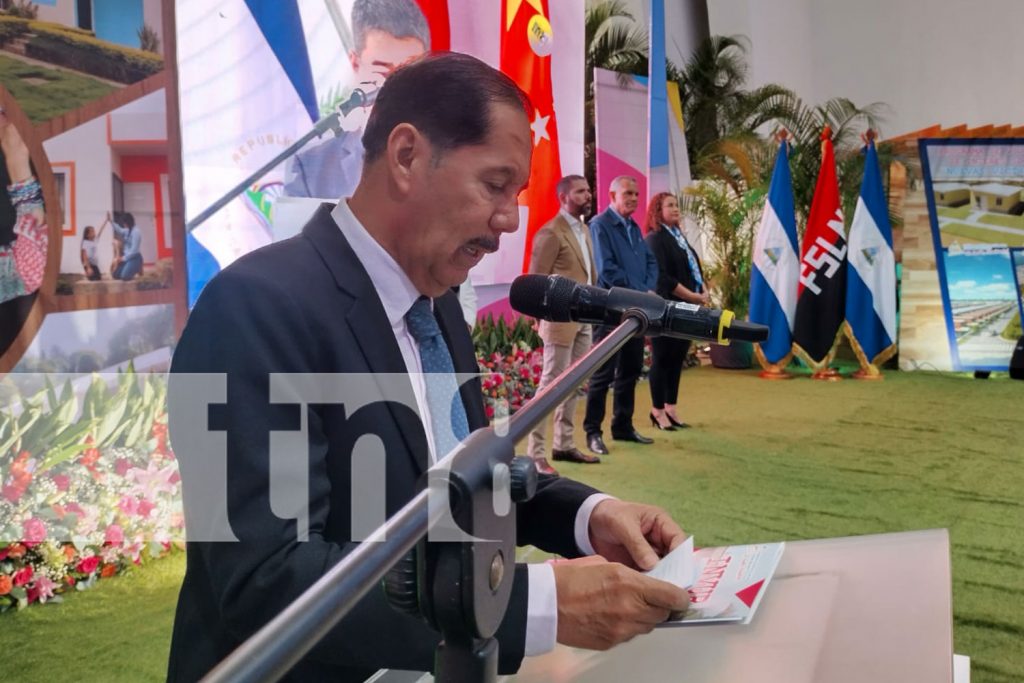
(871, 283)
(773, 280)
(820, 304)
(526, 46)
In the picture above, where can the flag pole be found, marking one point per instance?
(868, 369)
(822, 371)
(774, 371)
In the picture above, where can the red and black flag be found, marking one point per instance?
(820, 306)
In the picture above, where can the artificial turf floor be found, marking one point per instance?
(765, 461)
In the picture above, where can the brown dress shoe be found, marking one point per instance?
(575, 455)
(544, 467)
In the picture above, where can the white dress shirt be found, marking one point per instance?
(577, 229)
(397, 293)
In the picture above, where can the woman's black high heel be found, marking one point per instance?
(655, 423)
(676, 423)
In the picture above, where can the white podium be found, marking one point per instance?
(865, 609)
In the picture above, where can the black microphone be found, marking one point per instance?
(559, 299)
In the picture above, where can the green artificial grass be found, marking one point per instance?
(44, 93)
(120, 630)
(765, 461)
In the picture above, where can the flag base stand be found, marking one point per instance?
(864, 374)
(773, 372)
(827, 375)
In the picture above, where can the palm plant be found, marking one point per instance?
(727, 215)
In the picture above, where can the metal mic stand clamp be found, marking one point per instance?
(465, 585)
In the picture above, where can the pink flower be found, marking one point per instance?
(128, 505)
(23, 576)
(114, 535)
(121, 466)
(4, 552)
(145, 507)
(33, 532)
(62, 481)
(88, 565)
(41, 590)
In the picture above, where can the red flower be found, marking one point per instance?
(121, 466)
(88, 565)
(33, 532)
(490, 412)
(108, 570)
(23, 576)
(69, 580)
(62, 481)
(12, 493)
(89, 457)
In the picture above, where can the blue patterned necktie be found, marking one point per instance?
(694, 268)
(443, 398)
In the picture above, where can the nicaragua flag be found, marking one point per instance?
(871, 277)
(776, 272)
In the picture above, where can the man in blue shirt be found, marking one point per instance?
(623, 260)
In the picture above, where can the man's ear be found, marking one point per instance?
(406, 150)
(353, 59)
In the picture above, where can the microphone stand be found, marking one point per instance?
(331, 122)
(463, 587)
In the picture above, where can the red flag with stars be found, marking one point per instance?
(436, 12)
(526, 44)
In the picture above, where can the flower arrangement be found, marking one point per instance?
(511, 360)
(88, 487)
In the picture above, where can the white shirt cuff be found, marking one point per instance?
(541, 610)
(582, 528)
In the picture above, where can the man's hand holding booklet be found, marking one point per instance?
(726, 584)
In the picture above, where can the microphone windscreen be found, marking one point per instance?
(547, 297)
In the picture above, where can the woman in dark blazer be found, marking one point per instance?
(679, 279)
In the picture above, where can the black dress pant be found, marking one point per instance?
(621, 371)
(667, 356)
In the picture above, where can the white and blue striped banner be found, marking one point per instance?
(773, 280)
(871, 277)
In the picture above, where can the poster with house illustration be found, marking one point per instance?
(975, 189)
(90, 84)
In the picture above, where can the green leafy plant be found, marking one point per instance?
(728, 216)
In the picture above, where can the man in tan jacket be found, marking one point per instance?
(562, 247)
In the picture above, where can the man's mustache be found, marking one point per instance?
(487, 244)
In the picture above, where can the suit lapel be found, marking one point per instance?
(565, 230)
(368, 322)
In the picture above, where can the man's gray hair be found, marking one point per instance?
(398, 18)
(618, 181)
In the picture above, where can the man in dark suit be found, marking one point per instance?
(562, 247)
(387, 33)
(365, 289)
(623, 260)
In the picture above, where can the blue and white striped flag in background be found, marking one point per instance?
(871, 277)
(773, 280)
